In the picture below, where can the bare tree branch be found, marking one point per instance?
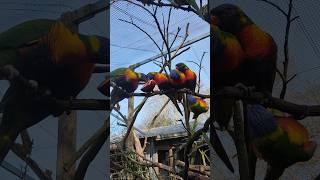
(157, 115)
(92, 152)
(86, 146)
(275, 6)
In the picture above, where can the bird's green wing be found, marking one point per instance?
(25, 32)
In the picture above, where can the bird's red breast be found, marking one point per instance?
(149, 86)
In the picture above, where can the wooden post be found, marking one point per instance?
(171, 159)
(154, 155)
(239, 131)
(67, 133)
(130, 141)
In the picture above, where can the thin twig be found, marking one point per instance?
(43, 175)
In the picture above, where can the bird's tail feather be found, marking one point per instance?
(221, 152)
(223, 111)
(175, 103)
(117, 95)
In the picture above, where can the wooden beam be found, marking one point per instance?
(67, 134)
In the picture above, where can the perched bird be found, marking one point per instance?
(260, 51)
(127, 80)
(191, 77)
(149, 86)
(178, 80)
(197, 105)
(280, 141)
(60, 60)
(226, 58)
(259, 67)
(164, 83)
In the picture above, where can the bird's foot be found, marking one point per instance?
(9, 72)
(33, 84)
(117, 106)
(245, 90)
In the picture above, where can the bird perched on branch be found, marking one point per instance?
(178, 80)
(258, 68)
(260, 50)
(164, 83)
(196, 105)
(226, 58)
(149, 86)
(281, 141)
(191, 77)
(126, 79)
(58, 59)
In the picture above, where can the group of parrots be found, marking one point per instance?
(182, 77)
(62, 61)
(243, 53)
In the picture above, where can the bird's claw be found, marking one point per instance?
(245, 89)
(10, 72)
(33, 84)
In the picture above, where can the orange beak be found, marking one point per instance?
(214, 20)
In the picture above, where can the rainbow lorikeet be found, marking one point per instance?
(226, 58)
(48, 52)
(259, 67)
(191, 77)
(178, 80)
(281, 141)
(149, 86)
(260, 50)
(128, 80)
(197, 105)
(164, 83)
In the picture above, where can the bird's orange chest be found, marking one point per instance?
(256, 43)
(190, 75)
(161, 78)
